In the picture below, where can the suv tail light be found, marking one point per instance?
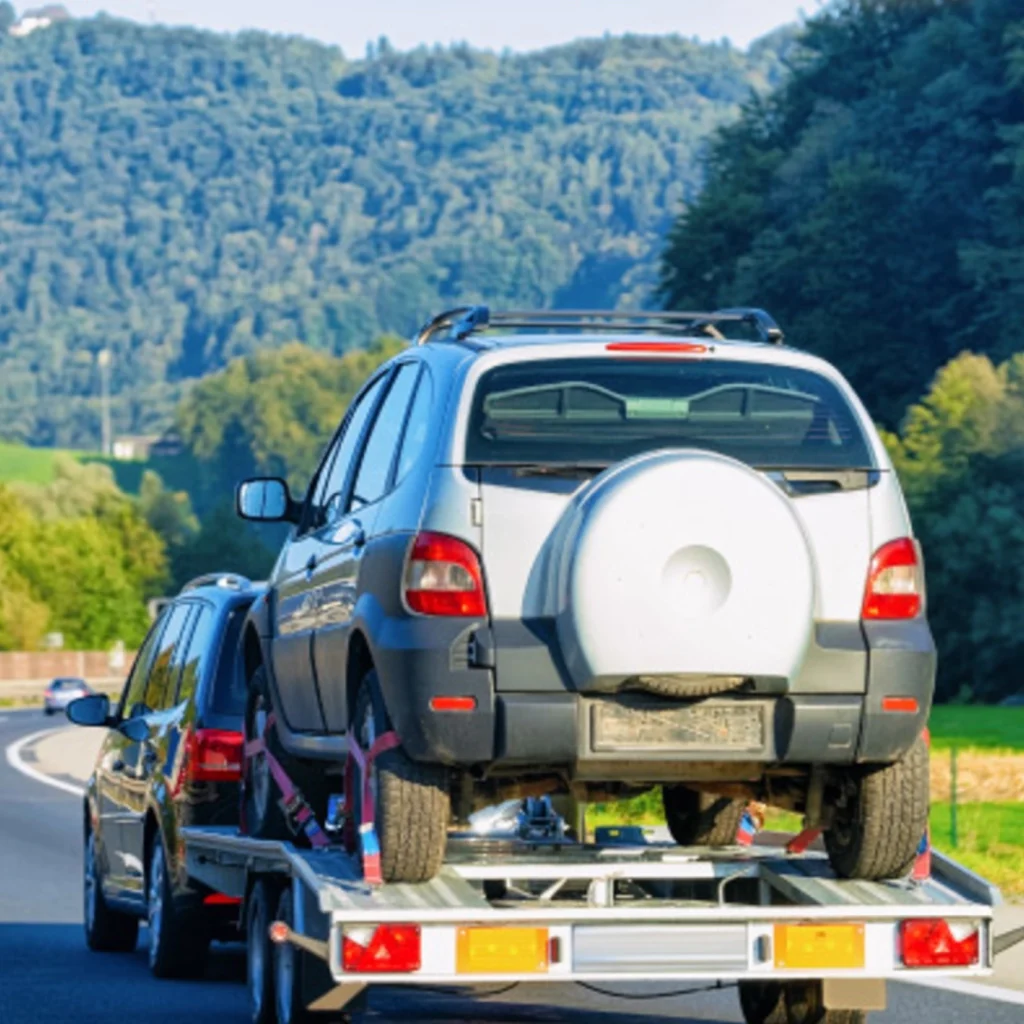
(212, 755)
(386, 949)
(895, 588)
(940, 943)
(443, 577)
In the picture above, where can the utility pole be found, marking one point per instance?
(103, 361)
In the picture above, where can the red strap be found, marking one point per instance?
(801, 843)
(360, 762)
(364, 762)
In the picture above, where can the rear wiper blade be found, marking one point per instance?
(567, 469)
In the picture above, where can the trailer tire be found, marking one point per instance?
(106, 930)
(763, 1002)
(178, 943)
(413, 807)
(259, 953)
(881, 818)
(701, 819)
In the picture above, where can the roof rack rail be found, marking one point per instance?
(227, 580)
(458, 324)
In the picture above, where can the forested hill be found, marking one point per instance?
(182, 197)
(875, 203)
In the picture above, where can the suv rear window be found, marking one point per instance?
(229, 686)
(600, 411)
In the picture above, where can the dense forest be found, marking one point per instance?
(182, 198)
(875, 204)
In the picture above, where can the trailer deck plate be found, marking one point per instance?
(736, 725)
(819, 946)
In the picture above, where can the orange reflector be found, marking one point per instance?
(819, 946)
(906, 705)
(502, 951)
(279, 933)
(453, 704)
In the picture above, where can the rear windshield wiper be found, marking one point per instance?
(580, 470)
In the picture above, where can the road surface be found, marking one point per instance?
(48, 977)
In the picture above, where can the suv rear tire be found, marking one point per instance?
(413, 807)
(106, 930)
(701, 819)
(881, 818)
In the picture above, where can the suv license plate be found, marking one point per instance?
(732, 726)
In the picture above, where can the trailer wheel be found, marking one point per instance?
(288, 968)
(701, 819)
(259, 953)
(763, 1002)
(881, 817)
(772, 1002)
(412, 805)
(106, 930)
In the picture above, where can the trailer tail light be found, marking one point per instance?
(895, 587)
(384, 949)
(940, 943)
(444, 578)
(213, 755)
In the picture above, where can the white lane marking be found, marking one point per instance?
(15, 761)
(969, 988)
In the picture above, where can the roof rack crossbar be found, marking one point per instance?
(458, 324)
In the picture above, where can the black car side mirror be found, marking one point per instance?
(93, 710)
(266, 500)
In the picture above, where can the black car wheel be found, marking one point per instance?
(106, 930)
(412, 804)
(701, 819)
(178, 942)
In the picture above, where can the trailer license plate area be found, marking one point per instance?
(502, 951)
(819, 946)
(706, 726)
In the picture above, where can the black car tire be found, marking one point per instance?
(262, 814)
(701, 819)
(178, 941)
(763, 1002)
(881, 816)
(259, 952)
(413, 807)
(106, 930)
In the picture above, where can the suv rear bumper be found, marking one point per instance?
(874, 721)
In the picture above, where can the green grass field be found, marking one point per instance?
(20, 464)
(983, 728)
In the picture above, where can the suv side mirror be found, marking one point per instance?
(93, 710)
(266, 500)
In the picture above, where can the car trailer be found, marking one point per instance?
(801, 945)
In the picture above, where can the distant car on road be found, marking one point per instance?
(172, 758)
(61, 692)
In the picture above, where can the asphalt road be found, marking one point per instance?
(48, 977)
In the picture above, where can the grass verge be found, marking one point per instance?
(973, 726)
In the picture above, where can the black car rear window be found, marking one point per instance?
(229, 683)
(600, 411)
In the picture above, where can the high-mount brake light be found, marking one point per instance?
(940, 943)
(658, 347)
(211, 755)
(384, 949)
(444, 578)
(895, 587)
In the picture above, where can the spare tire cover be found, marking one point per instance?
(683, 562)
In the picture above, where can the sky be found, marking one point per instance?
(519, 25)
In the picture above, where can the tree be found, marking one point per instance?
(7, 18)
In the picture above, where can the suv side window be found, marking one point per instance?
(161, 684)
(135, 688)
(379, 451)
(417, 427)
(190, 663)
(329, 489)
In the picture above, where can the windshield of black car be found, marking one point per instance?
(603, 410)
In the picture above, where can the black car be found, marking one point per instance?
(172, 757)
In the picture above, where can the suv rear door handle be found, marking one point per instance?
(348, 534)
(311, 565)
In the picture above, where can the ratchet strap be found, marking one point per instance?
(298, 814)
(357, 772)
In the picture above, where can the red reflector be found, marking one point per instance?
(658, 347)
(443, 577)
(386, 949)
(904, 705)
(279, 933)
(895, 587)
(217, 899)
(940, 943)
(214, 755)
(453, 704)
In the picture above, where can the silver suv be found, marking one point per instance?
(594, 553)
